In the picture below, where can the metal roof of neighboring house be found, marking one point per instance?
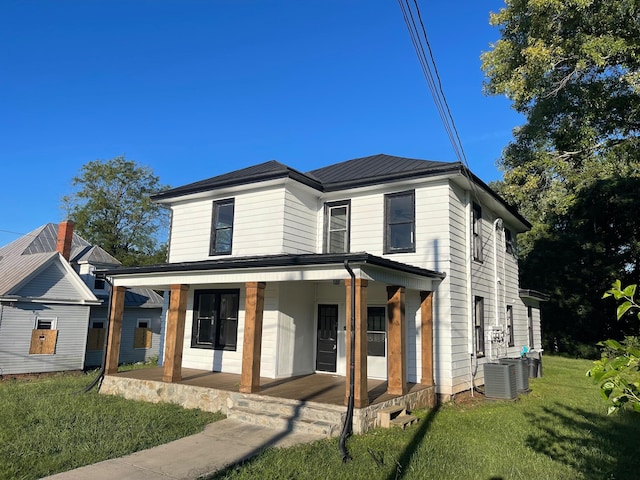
(139, 297)
(26, 255)
(15, 269)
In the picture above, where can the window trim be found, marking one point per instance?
(476, 232)
(214, 231)
(216, 325)
(530, 326)
(328, 206)
(479, 326)
(511, 339)
(509, 242)
(53, 320)
(377, 332)
(387, 224)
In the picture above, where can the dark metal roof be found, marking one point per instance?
(257, 173)
(141, 297)
(377, 169)
(359, 172)
(283, 260)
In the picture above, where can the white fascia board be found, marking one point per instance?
(223, 192)
(162, 281)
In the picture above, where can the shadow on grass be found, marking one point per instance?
(405, 456)
(597, 445)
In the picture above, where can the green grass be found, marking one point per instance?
(559, 430)
(48, 426)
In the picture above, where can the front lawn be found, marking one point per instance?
(48, 425)
(559, 430)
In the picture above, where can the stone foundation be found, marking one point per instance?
(294, 414)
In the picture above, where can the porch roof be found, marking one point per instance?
(282, 267)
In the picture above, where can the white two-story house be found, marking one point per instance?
(267, 264)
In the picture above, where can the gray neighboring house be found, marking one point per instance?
(53, 309)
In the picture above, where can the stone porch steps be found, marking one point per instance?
(292, 415)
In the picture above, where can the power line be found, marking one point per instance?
(432, 76)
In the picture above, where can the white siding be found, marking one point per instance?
(257, 225)
(297, 329)
(300, 217)
(16, 325)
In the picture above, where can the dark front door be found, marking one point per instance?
(327, 350)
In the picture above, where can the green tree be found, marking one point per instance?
(571, 67)
(111, 208)
(618, 371)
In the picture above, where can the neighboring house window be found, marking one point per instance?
(477, 233)
(400, 222)
(376, 331)
(510, 333)
(44, 336)
(96, 336)
(479, 325)
(530, 326)
(215, 319)
(98, 283)
(222, 227)
(337, 221)
(143, 336)
(509, 242)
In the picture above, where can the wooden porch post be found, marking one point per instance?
(174, 339)
(396, 350)
(360, 394)
(115, 330)
(252, 343)
(426, 334)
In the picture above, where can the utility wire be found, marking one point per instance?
(429, 68)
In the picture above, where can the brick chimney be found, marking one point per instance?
(65, 235)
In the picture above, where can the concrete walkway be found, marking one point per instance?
(220, 445)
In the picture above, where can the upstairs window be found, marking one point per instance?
(215, 319)
(479, 325)
(98, 283)
(337, 222)
(509, 241)
(222, 227)
(400, 222)
(477, 233)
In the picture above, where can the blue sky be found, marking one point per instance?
(195, 88)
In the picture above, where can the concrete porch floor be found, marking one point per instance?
(316, 387)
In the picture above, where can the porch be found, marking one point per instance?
(312, 403)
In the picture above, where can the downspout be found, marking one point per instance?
(470, 302)
(497, 226)
(100, 377)
(347, 427)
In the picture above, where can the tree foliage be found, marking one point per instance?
(111, 208)
(618, 371)
(572, 68)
